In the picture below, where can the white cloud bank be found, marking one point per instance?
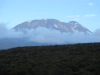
(44, 35)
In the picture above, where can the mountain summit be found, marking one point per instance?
(53, 24)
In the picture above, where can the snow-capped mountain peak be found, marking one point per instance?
(42, 19)
(54, 24)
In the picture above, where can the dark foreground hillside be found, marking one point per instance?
(76, 59)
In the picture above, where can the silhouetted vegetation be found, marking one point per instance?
(76, 59)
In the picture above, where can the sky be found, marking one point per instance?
(85, 12)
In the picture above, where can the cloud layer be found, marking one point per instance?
(44, 35)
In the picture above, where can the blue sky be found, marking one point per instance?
(86, 12)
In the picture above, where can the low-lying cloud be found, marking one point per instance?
(44, 35)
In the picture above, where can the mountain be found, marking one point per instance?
(6, 43)
(53, 24)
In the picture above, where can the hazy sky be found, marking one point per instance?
(85, 12)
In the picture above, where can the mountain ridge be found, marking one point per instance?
(71, 26)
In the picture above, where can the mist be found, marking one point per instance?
(44, 35)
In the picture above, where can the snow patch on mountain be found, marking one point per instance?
(42, 19)
(76, 23)
(88, 32)
(29, 21)
(74, 27)
(55, 25)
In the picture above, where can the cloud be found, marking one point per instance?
(76, 19)
(77, 16)
(91, 4)
(73, 16)
(44, 35)
(91, 15)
